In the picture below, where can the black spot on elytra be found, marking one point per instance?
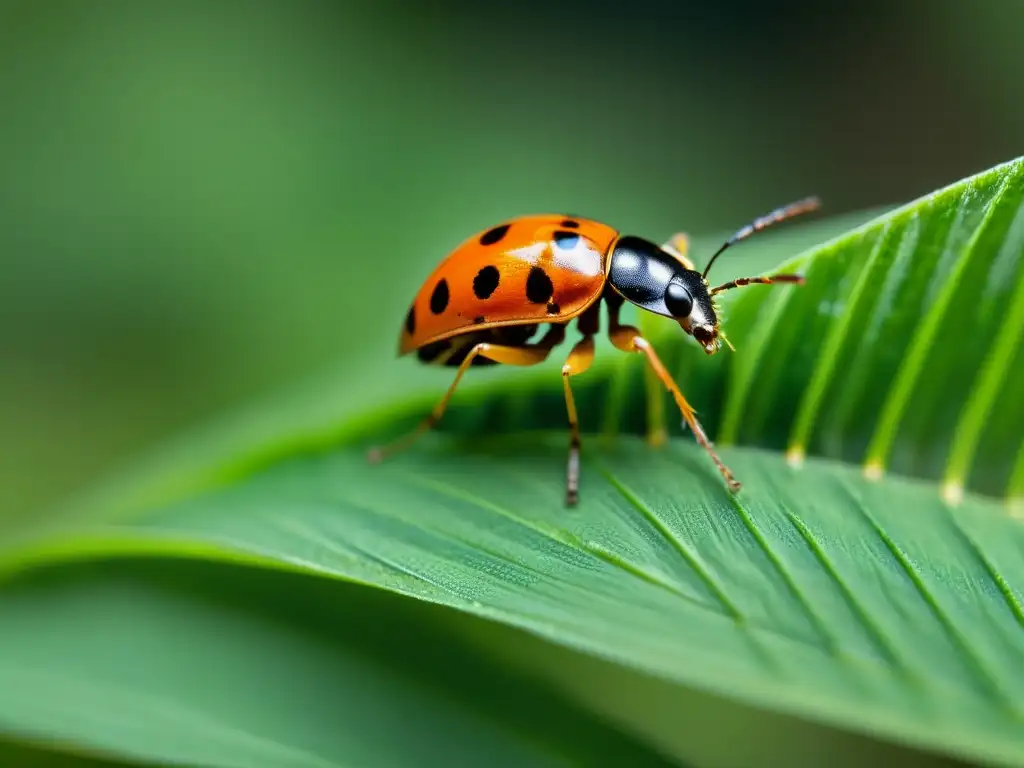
(492, 236)
(539, 288)
(410, 321)
(566, 240)
(570, 224)
(439, 298)
(479, 320)
(553, 308)
(430, 352)
(486, 282)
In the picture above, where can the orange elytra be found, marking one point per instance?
(485, 302)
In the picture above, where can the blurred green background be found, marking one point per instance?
(204, 202)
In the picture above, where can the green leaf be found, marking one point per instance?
(153, 662)
(902, 354)
(821, 594)
(829, 589)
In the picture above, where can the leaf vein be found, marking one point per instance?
(809, 610)
(921, 342)
(882, 643)
(567, 541)
(987, 386)
(741, 374)
(810, 402)
(982, 674)
(1000, 581)
(454, 492)
(692, 558)
(304, 532)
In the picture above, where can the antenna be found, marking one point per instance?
(806, 205)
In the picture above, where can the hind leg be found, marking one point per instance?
(526, 355)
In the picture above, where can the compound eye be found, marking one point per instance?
(678, 300)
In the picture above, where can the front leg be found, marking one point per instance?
(628, 339)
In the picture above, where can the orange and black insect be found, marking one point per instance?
(486, 301)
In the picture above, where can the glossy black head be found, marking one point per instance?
(655, 280)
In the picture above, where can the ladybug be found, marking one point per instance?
(485, 302)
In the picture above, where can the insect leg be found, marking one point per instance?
(679, 246)
(579, 360)
(628, 339)
(531, 354)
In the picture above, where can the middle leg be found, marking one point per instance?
(579, 360)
